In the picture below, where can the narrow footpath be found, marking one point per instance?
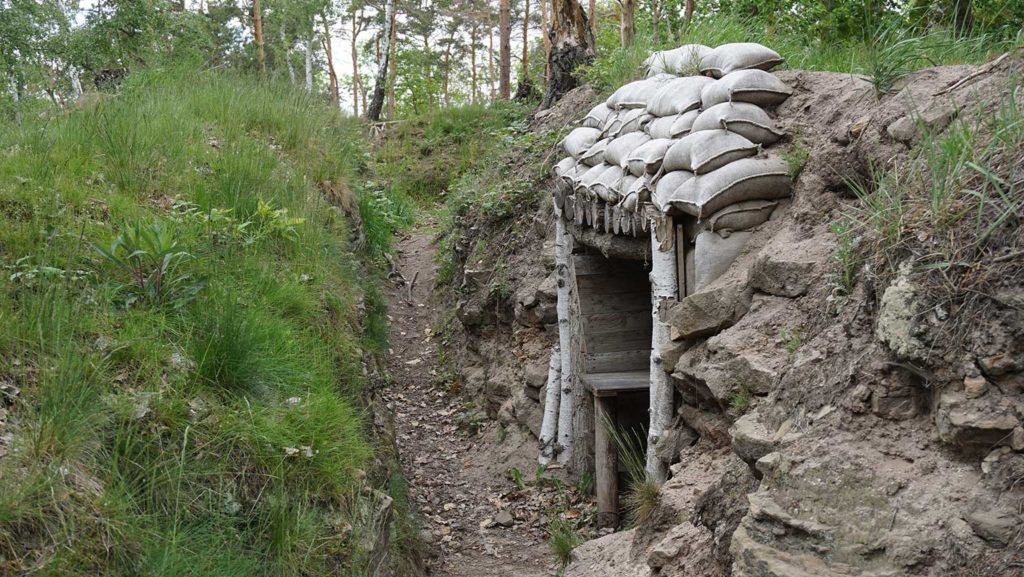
(479, 523)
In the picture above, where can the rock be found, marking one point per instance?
(909, 129)
(898, 325)
(470, 312)
(787, 267)
(669, 548)
(678, 437)
(709, 425)
(975, 424)
(708, 311)
(974, 387)
(548, 288)
(504, 519)
(769, 463)
(750, 439)
(1017, 439)
(609, 555)
(1001, 364)
(996, 526)
(536, 374)
(532, 393)
(754, 559)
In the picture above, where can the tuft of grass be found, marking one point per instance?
(641, 495)
(844, 257)
(741, 399)
(563, 537)
(796, 156)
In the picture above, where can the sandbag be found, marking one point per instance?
(739, 181)
(740, 216)
(603, 186)
(702, 152)
(748, 120)
(752, 86)
(660, 127)
(595, 154)
(588, 178)
(573, 175)
(678, 96)
(637, 93)
(634, 120)
(683, 60)
(683, 123)
(597, 116)
(646, 158)
(739, 56)
(637, 194)
(579, 140)
(563, 166)
(666, 185)
(622, 121)
(619, 149)
(714, 254)
(621, 188)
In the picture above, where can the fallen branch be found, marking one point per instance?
(412, 284)
(980, 72)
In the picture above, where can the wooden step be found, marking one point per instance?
(610, 384)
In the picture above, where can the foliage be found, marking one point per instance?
(149, 255)
(641, 496)
(211, 432)
(563, 537)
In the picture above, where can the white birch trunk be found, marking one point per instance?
(563, 248)
(548, 428)
(76, 83)
(664, 285)
(288, 56)
(309, 64)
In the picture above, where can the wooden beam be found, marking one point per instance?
(606, 463)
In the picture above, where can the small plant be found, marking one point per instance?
(741, 399)
(586, 484)
(641, 498)
(796, 157)
(846, 275)
(563, 537)
(149, 255)
(791, 340)
(271, 221)
(516, 476)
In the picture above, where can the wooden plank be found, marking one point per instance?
(599, 322)
(681, 260)
(606, 463)
(621, 285)
(607, 384)
(597, 303)
(641, 340)
(618, 361)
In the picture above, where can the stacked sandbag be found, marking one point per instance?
(693, 138)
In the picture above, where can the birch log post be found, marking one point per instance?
(563, 248)
(664, 286)
(548, 428)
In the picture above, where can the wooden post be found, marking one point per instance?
(551, 396)
(563, 248)
(664, 286)
(606, 463)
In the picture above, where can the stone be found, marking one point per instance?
(667, 549)
(536, 374)
(751, 440)
(975, 424)
(1000, 364)
(673, 441)
(898, 315)
(708, 311)
(974, 387)
(1017, 439)
(909, 129)
(548, 288)
(769, 463)
(787, 267)
(504, 519)
(996, 526)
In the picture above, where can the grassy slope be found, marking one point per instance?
(214, 435)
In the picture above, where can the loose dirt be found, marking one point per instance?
(457, 466)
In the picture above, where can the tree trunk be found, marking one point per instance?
(309, 63)
(688, 12)
(524, 77)
(377, 101)
(664, 288)
(655, 21)
(472, 65)
(548, 428)
(563, 249)
(257, 32)
(392, 67)
(354, 48)
(627, 22)
(331, 74)
(504, 49)
(287, 56)
(963, 17)
(490, 51)
(592, 14)
(447, 69)
(572, 45)
(546, 39)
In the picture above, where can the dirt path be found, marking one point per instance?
(456, 478)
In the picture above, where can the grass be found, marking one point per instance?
(893, 49)
(563, 537)
(192, 391)
(952, 213)
(642, 493)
